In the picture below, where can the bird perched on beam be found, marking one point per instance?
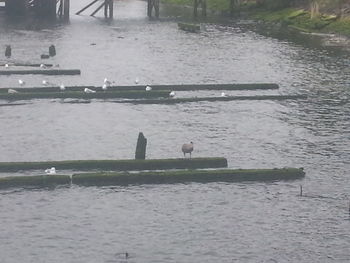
(187, 148)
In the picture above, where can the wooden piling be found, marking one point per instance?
(140, 153)
(106, 5)
(153, 4)
(301, 190)
(8, 51)
(111, 3)
(52, 51)
(66, 10)
(203, 4)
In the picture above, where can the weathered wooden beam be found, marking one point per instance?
(211, 99)
(86, 7)
(117, 165)
(34, 181)
(83, 95)
(152, 177)
(24, 64)
(202, 176)
(40, 71)
(98, 8)
(185, 87)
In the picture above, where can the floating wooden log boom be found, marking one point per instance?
(182, 87)
(24, 64)
(40, 71)
(210, 99)
(83, 95)
(117, 165)
(203, 176)
(152, 177)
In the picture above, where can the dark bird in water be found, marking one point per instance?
(52, 51)
(187, 148)
(8, 51)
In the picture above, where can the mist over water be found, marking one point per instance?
(215, 222)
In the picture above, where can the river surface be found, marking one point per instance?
(214, 222)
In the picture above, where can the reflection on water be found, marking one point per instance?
(217, 222)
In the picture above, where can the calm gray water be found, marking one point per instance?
(216, 222)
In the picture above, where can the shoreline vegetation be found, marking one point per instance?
(309, 16)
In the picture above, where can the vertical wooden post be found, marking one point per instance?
(106, 8)
(66, 10)
(204, 8)
(8, 51)
(141, 147)
(195, 6)
(149, 7)
(156, 8)
(232, 4)
(111, 3)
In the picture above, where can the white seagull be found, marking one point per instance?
(11, 91)
(104, 87)
(62, 87)
(6, 65)
(187, 148)
(136, 81)
(172, 94)
(42, 66)
(52, 170)
(223, 94)
(86, 90)
(148, 88)
(21, 82)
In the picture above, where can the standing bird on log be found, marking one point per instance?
(187, 148)
(148, 88)
(21, 82)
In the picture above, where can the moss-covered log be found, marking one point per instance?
(40, 71)
(167, 177)
(184, 87)
(83, 95)
(117, 165)
(25, 64)
(37, 181)
(226, 98)
(194, 28)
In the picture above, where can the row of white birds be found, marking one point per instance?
(106, 84)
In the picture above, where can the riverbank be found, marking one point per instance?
(299, 18)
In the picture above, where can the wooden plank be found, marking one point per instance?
(82, 95)
(40, 71)
(211, 99)
(184, 87)
(117, 165)
(202, 176)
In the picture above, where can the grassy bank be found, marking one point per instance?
(301, 19)
(297, 17)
